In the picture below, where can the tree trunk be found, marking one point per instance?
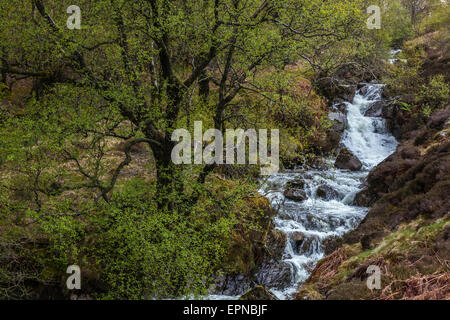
(169, 184)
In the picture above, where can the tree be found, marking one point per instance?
(416, 8)
(138, 66)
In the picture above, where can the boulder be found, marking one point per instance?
(339, 105)
(375, 110)
(231, 284)
(363, 88)
(398, 120)
(298, 183)
(339, 121)
(276, 274)
(297, 236)
(347, 160)
(258, 293)
(307, 245)
(275, 245)
(326, 192)
(294, 190)
(335, 132)
(333, 89)
(330, 244)
(364, 198)
(295, 194)
(270, 272)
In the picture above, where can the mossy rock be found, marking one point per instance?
(258, 293)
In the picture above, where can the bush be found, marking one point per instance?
(436, 93)
(438, 19)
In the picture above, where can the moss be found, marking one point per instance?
(309, 292)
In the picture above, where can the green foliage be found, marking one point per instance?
(145, 253)
(404, 78)
(396, 27)
(97, 109)
(134, 250)
(438, 19)
(436, 93)
(405, 106)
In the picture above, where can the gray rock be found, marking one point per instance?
(231, 285)
(297, 236)
(339, 120)
(295, 194)
(274, 275)
(332, 243)
(363, 88)
(347, 160)
(326, 192)
(307, 246)
(275, 244)
(339, 105)
(298, 183)
(334, 134)
(347, 92)
(375, 110)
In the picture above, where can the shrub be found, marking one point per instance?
(436, 93)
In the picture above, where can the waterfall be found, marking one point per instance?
(308, 223)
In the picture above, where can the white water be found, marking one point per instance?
(394, 57)
(318, 219)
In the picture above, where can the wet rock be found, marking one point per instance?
(295, 194)
(331, 244)
(249, 249)
(339, 105)
(339, 121)
(269, 272)
(258, 293)
(298, 183)
(275, 244)
(274, 275)
(347, 160)
(334, 134)
(307, 246)
(398, 121)
(375, 110)
(326, 192)
(231, 284)
(379, 125)
(363, 88)
(364, 198)
(389, 110)
(297, 236)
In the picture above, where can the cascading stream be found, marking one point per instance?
(308, 223)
